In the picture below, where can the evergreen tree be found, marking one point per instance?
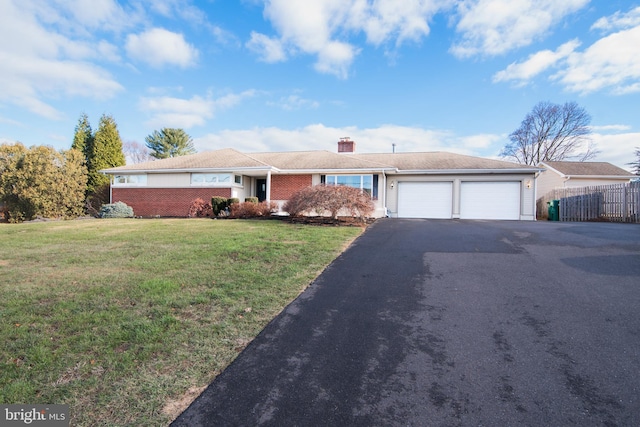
(106, 152)
(636, 165)
(41, 181)
(169, 142)
(83, 137)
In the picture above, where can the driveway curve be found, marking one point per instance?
(450, 323)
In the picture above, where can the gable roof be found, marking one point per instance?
(590, 169)
(229, 159)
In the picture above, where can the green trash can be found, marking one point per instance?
(554, 210)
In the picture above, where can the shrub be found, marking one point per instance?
(231, 201)
(41, 182)
(116, 210)
(252, 200)
(200, 209)
(253, 210)
(218, 204)
(323, 199)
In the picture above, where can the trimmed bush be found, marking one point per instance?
(329, 199)
(116, 210)
(252, 210)
(218, 204)
(252, 200)
(200, 209)
(231, 201)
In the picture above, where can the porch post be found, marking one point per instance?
(268, 186)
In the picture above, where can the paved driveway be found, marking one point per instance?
(451, 323)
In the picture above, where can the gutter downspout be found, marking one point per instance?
(384, 194)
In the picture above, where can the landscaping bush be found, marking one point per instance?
(231, 201)
(218, 204)
(200, 209)
(252, 200)
(116, 210)
(328, 199)
(252, 210)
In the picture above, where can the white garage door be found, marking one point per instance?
(490, 200)
(425, 199)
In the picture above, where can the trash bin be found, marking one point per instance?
(554, 210)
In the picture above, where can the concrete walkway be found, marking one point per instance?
(450, 323)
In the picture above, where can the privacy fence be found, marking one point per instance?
(616, 203)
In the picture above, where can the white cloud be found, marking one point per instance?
(494, 27)
(158, 47)
(606, 128)
(295, 102)
(368, 140)
(167, 111)
(385, 20)
(618, 20)
(324, 28)
(269, 49)
(535, 64)
(610, 63)
(617, 149)
(39, 63)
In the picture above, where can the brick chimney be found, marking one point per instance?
(346, 145)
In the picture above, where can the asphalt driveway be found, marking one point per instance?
(450, 323)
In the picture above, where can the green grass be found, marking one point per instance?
(126, 320)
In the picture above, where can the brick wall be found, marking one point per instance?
(164, 201)
(283, 186)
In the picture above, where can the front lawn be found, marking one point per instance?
(127, 320)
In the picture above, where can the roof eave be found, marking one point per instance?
(188, 170)
(600, 176)
(335, 170)
(467, 171)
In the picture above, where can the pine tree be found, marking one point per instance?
(83, 137)
(169, 142)
(635, 166)
(105, 152)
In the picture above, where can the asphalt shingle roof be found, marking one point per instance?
(230, 159)
(588, 169)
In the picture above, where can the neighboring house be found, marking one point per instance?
(579, 174)
(404, 185)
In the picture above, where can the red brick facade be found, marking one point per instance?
(164, 201)
(283, 186)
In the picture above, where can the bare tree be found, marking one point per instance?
(552, 132)
(136, 152)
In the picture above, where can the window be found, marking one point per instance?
(130, 180)
(366, 183)
(215, 179)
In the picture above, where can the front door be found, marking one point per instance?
(261, 190)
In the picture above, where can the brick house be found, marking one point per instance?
(409, 185)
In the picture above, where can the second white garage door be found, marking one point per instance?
(490, 200)
(425, 199)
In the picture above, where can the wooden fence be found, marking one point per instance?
(616, 203)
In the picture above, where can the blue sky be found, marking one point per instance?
(281, 75)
